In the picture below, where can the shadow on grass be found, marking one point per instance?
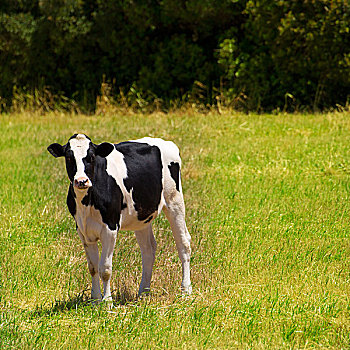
(83, 300)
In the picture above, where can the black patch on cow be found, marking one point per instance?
(104, 149)
(124, 206)
(105, 195)
(71, 164)
(59, 151)
(87, 200)
(72, 205)
(144, 170)
(89, 161)
(149, 219)
(175, 173)
(56, 150)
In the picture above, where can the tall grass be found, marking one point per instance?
(267, 200)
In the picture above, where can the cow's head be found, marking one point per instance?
(80, 154)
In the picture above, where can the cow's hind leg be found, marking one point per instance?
(148, 246)
(92, 257)
(175, 212)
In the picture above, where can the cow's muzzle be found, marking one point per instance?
(82, 183)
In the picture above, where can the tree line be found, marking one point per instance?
(250, 54)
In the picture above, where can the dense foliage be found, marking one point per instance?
(254, 54)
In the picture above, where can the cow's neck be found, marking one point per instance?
(86, 215)
(83, 199)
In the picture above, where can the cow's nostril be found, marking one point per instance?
(81, 182)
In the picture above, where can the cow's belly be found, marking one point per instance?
(131, 223)
(90, 223)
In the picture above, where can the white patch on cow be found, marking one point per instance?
(80, 146)
(116, 168)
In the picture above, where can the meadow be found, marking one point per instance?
(267, 200)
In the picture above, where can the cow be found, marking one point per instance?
(124, 186)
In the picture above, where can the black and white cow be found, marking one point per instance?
(124, 187)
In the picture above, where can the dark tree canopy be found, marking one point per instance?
(270, 52)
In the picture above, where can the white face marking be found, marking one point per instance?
(80, 146)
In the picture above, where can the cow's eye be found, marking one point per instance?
(90, 158)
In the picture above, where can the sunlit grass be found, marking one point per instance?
(267, 199)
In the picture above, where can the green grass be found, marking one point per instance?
(267, 200)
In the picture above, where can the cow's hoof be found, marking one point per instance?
(186, 290)
(145, 293)
(95, 301)
(107, 303)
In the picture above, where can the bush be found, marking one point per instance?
(291, 51)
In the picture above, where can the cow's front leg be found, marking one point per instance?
(92, 257)
(108, 239)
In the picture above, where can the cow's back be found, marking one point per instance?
(171, 164)
(170, 152)
(147, 171)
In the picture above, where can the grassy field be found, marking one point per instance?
(267, 200)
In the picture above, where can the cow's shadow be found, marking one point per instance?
(83, 300)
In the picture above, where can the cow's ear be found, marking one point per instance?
(104, 149)
(56, 150)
